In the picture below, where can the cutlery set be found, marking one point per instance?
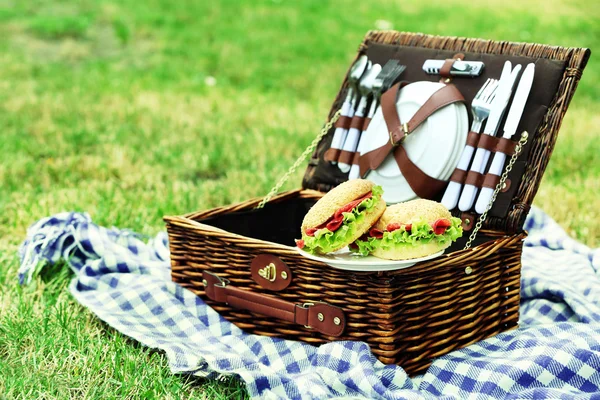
(367, 82)
(495, 106)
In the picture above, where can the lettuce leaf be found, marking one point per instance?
(325, 241)
(421, 232)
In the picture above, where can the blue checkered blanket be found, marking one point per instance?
(125, 281)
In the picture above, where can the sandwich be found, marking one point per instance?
(340, 217)
(413, 229)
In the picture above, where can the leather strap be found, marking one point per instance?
(497, 144)
(474, 178)
(366, 124)
(356, 158)
(446, 67)
(346, 157)
(331, 154)
(459, 175)
(444, 96)
(357, 123)
(472, 139)
(490, 181)
(422, 184)
(322, 317)
(505, 146)
(487, 142)
(343, 122)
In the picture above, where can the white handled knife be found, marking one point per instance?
(510, 127)
(505, 87)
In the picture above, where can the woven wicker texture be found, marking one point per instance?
(409, 316)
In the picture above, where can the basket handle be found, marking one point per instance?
(322, 317)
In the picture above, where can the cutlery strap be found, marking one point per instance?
(422, 184)
(343, 122)
(492, 144)
(497, 144)
(447, 67)
(491, 180)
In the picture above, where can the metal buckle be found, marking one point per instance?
(306, 305)
(404, 127)
(222, 281)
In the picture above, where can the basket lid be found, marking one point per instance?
(558, 70)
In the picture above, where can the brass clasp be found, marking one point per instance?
(269, 272)
(404, 127)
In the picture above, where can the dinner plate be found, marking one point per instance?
(435, 146)
(460, 143)
(346, 260)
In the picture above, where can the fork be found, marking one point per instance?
(480, 108)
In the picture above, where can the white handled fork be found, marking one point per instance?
(480, 108)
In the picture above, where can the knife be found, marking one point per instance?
(459, 67)
(505, 87)
(510, 127)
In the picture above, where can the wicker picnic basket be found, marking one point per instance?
(409, 316)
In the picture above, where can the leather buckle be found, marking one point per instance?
(405, 132)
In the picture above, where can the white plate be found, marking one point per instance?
(460, 143)
(346, 260)
(435, 146)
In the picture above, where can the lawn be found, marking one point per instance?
(133, 110)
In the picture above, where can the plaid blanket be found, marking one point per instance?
(125, 281)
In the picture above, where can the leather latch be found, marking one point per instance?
(270, 272)
(322, 317)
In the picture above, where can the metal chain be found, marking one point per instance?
(300, 159)
(499, 186)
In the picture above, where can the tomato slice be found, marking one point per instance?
(440, 226)
(334, 223)
(392, 227)
(376, 233)
(300, 243)
(311, 231)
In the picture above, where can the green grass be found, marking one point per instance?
(105, 108)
